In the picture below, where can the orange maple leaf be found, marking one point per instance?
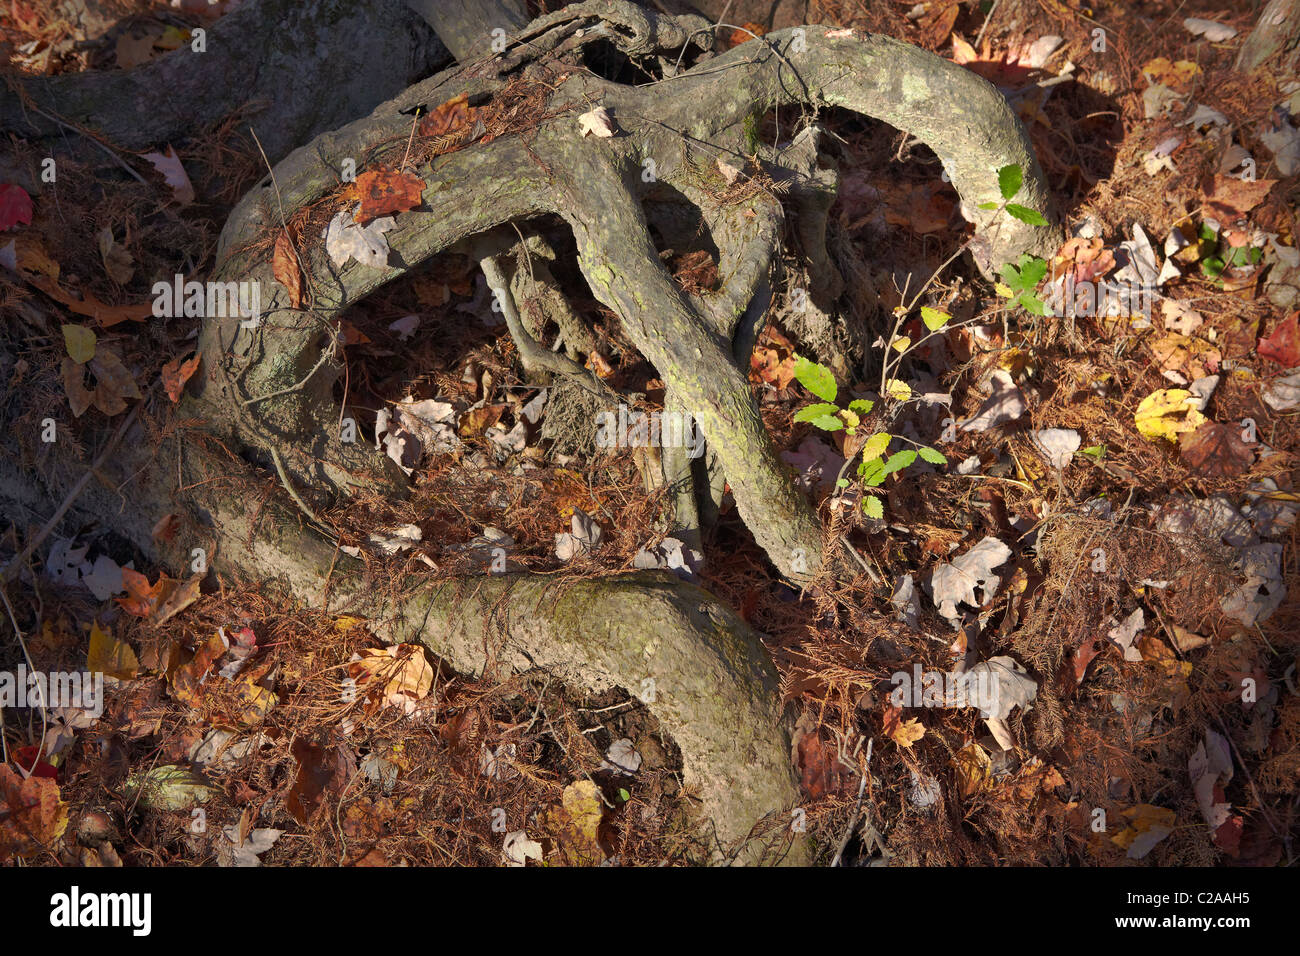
(384, 190)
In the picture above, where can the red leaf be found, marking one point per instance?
(15, 206)
(1283, 346)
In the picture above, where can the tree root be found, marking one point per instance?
(700, 670)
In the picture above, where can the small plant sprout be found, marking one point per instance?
(875, 467)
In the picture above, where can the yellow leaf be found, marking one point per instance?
(899, 390)
(109, 656)
(575, 824)
(902, 732)
(974, 767)
(875, 446)
(1166, 413)
(345, 623)
(900, 344)
(1143, 819)
(80, 343)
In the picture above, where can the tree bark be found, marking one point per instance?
(1277, 28)
(299, 68)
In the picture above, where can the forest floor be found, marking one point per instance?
(1120, 489)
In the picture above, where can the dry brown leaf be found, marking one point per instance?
(1231, 198)
(1216, 450)
(32, 815)
(284, 266)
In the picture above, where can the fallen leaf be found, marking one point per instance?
(449, 117)
(1210, 769)
(1213, 31)
(1166, 413)
(106, 315)
(1232, 198)
(1125, 633)
(476, 421)
(1283, 345)
(1006, 404)
(954, 582)
(974, 769)
(575, 824)
(322, 771)
(399, 675)
(1216, 450)
(1177, 76)
(384, 190)
(32, 815)
(176, 373)
(174, 174)
(902, 732)
(1057, 445)
(79, 341)
(284, 267)
(109, 656)
(597, 122)
(117, 261)
(345, 239)
(15, 207)
(1179, 317)
(1147, 826)
(735, 37)
(132, 49)
(518, 849)
(233, 851)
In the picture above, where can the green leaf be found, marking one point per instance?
(872, 507)
(1009, 180)
(1025, 214)
(828, 423)
(987, 205)
(899, 460)
(1212, 267)
(624, 794)
(934, 319)
(818, 410)
(933, 457)
(1032, 303)
(841, 482)
(1011, 277)
(872, 472)
(1094, 451)
(861, 406)
(1032, 271)
(816, 378)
